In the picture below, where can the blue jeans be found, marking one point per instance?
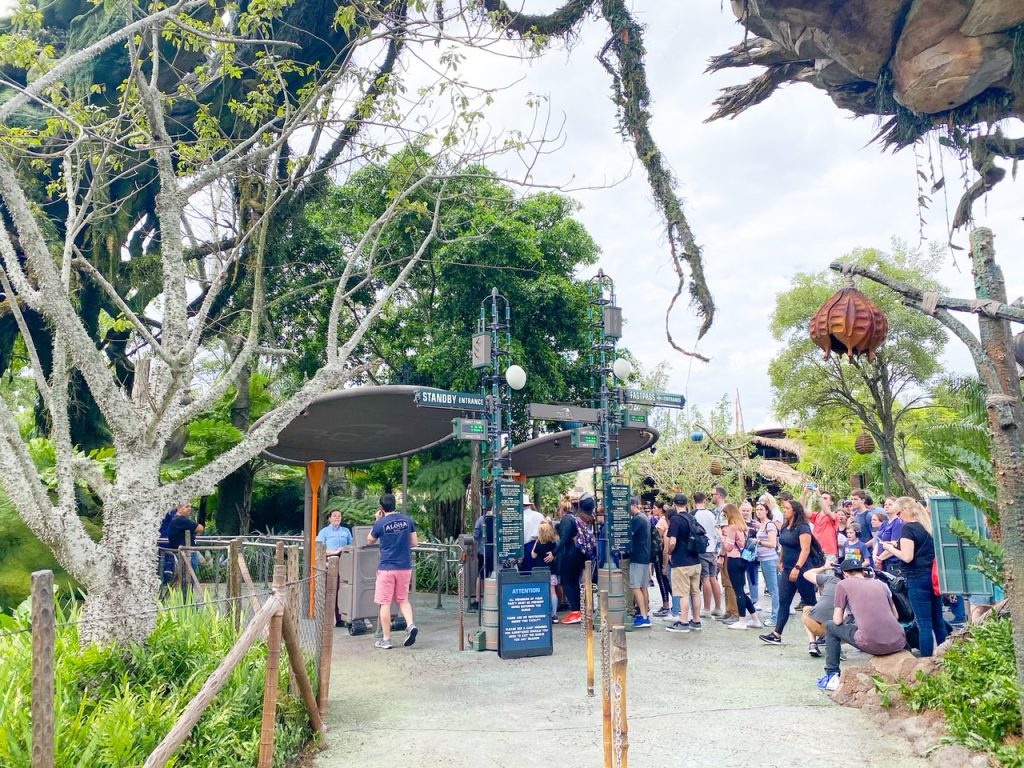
(752, 570)
(928, 612)
(769, 568)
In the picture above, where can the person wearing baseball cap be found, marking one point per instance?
(875, 629)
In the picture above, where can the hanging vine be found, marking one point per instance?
(623, 58)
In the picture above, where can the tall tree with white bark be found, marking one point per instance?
(215, 192)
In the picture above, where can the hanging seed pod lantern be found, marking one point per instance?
(850, 324)
(864, 443)
(716, 467)
(1018, 348)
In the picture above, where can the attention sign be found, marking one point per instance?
(524, 613)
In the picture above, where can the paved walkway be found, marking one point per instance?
(714, 698)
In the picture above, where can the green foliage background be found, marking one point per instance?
(113, 706)
(976, 689)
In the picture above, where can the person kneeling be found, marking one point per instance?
(875, 628)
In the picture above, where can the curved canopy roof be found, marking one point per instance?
(361, 425)
(554, 455)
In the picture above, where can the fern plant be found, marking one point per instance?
(958, 448)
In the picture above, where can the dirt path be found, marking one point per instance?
(713, 698)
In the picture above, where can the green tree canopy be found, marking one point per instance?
(877, 395)
(529, 247)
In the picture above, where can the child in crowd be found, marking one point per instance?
(854, 547)
(544, 557)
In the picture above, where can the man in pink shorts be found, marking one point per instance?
(396, 533)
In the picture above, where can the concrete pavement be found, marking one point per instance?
(713, 698)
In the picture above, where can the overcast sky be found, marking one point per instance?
(788, 186)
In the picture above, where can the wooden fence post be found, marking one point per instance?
(292, 561)
(298, 668)
(44, 635)
(621, 725)
(327, 633)
(291, 598)
(234, 582)
(266, 758)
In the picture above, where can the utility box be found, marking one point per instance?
(357, 580)
(472, 570)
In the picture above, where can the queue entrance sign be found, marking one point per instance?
(508, 515)
(524, 613)
(618, 517)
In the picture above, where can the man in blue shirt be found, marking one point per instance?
(335, 536)
(396, 533)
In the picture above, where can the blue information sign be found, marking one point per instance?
(524, 613)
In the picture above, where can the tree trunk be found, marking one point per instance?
(1006, 419)
(121, 598)
(234, 497)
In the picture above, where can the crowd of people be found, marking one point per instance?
(865, 575)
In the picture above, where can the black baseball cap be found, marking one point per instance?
(850, 564)
(680, 500)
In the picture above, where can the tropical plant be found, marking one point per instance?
(976, 689)
(957, 446)
(114, 705)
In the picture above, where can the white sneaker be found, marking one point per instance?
(737, 625)
(672, 618)
(755, 623)
(705, 614)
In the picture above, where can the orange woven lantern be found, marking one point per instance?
(864, 443)
(849, 323)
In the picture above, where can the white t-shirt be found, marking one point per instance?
(707, 520)
(531, 523)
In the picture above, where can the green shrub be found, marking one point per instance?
(114, 705)
(977, 691)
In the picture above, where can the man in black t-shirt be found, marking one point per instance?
(685, 570)
(639, 561)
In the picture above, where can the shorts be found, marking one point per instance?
(392, 585)
(816, 627)
(639, 574)
(708, 565)
(686, 580)
(830, 559)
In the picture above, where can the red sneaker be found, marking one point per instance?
(573, 617)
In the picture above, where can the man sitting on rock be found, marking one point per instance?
(875, 628)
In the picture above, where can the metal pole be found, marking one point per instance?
(405, 485)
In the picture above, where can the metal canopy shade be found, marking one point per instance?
(554, 455)
(362, 425)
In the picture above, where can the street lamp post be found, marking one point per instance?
(605, 321)
(491, 344)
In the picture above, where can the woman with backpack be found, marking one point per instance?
(576, 545)
(768, 556)
(797, 544)
(734, 540)
(659, 527)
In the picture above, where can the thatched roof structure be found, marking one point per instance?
(781, 472)
(785, 445)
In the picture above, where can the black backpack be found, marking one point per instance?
(816, 558)
(698, 542)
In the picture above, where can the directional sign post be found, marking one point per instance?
(646, 397)
(553, 412)
(454, 401)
